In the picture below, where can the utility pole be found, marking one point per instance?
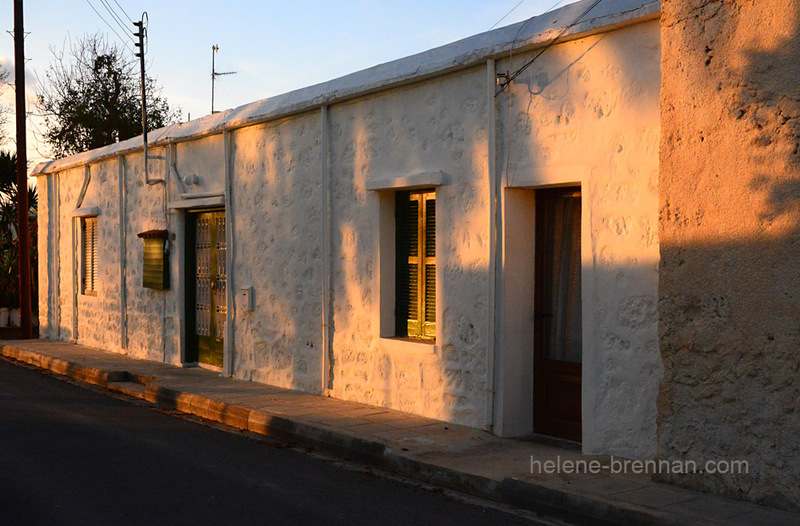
(140, 34)
(214, 74)
(23, 231)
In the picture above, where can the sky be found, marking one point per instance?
(273, 46)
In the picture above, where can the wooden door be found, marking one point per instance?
(557, 314)
(206, 290)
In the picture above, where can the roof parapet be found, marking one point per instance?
(468, 52)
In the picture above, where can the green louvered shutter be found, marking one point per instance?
(429, 305)
(415, 310)
(407, 235)
(89, 259)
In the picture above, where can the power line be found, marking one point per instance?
(505, 84)
(115, 16)
(505, 15)
(124, 12)
(517, 73)
(124, 43)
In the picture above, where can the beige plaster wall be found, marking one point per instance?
(729, 292)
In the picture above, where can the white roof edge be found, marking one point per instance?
(608, 15)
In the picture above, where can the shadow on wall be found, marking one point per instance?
(730, 244)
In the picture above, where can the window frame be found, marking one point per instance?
(89, 255)
(415, 251)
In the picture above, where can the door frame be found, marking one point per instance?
(514, 316)
(190, 355)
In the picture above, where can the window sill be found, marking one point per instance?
(407, 346)
(88, 300)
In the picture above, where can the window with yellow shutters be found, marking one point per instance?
(89, 256)
(415, 309)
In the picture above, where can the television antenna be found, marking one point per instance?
(215, 74)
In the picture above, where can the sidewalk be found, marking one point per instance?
(447, 455)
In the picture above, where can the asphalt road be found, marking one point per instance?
(76, 455)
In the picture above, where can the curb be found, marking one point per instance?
(536, 497)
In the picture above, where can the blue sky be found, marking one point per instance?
(275, 46)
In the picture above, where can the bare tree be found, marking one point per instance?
(90, 97)
(4, 110)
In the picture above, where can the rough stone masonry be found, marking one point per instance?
(729, 195)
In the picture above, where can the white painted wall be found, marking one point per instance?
(278, 206)
(586, 112)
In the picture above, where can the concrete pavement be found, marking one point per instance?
(444, 454)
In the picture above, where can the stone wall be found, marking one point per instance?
(729, 209)
(587, 112)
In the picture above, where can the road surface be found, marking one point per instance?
(76, 455)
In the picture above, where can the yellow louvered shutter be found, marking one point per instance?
(89, 259)
(415, 310)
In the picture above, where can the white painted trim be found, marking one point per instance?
(515, 328)
(180, 234)
(385, 256)
(408, 182)
(590, 351)
(197, 203)
(200, 195)
(230, 285)
(88, 211)
(406, 346)
(551, 175)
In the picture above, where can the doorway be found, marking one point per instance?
(206, 306)
(557, 314)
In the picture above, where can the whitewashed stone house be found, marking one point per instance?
(377, 237)
(604, 250)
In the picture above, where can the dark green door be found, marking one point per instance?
(209, 286)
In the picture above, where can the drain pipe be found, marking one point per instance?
(56, 179)
(123, 254)
(74, 222)
(327, 291)
(494, 242)
(87, 177)
(167, 247)
(172, 156)
(228, 350)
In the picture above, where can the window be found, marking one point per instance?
(89, 256)
(415, 220)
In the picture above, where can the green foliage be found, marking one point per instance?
(92, 98)
(9, 253)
